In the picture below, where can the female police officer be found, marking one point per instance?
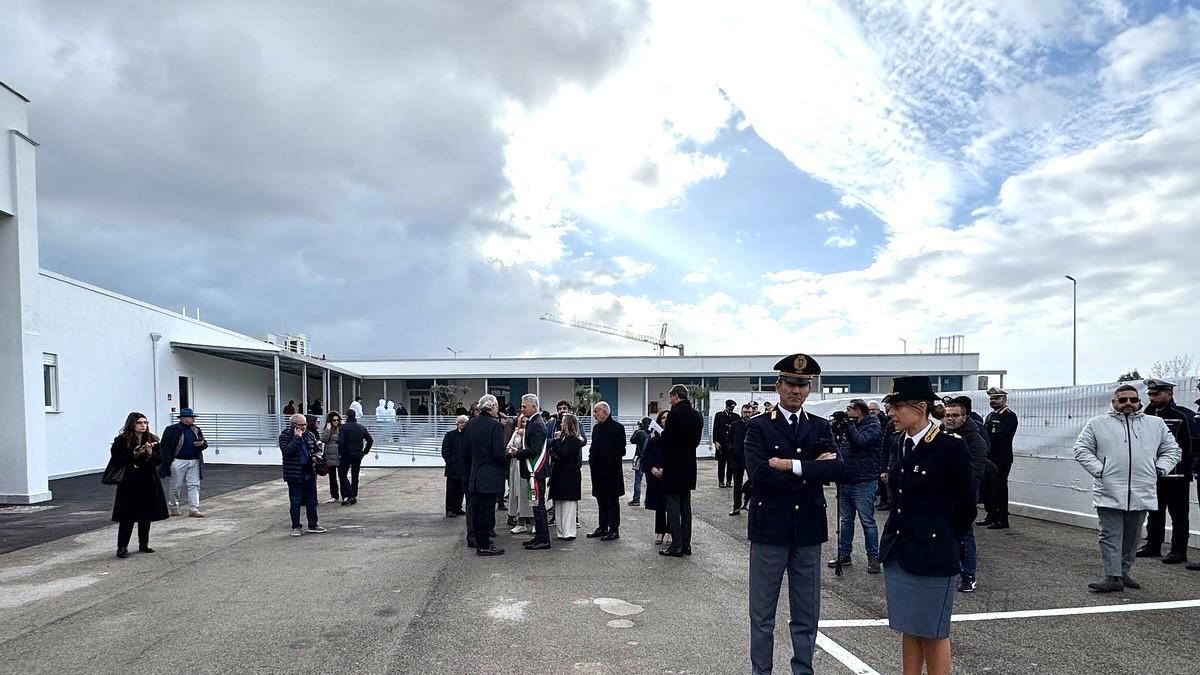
(931, 510)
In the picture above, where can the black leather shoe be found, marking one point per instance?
(1174, 558)
(687, 551)
(735, 512)
(346, 502)
(671, 552)
(1194, 567)
(598, 533)
(844, 560)
(611, 536)
(1128, 582)
(538, 546)
(145, 549)
(451, 514)
(1147, 552)
(1107, 585)
(489, 551)
(122, 553)
(353, 500)
(460, 513)
(985, 522)
(998, 525)
(565, 538)
(471, 543)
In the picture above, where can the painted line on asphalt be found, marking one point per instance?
(847, 659)
(1028, 613)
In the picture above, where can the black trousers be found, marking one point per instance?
(1172, 498)
(470, 519)
(348, 476)
(737, 488)
(609, 514)
(333, 482)
(125, 531)
(454, 494)
(679, 516)
(660, 521)
(541, 530)
(997, 509)
(722, 468)
(484, 517)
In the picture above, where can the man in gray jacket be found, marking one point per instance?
(1125, 451)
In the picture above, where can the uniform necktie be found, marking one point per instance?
(792, 419)
(908, 446)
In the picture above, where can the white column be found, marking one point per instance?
(24, 478)
(278, 393)
(645, 397)
(385, 390)
(537, 386)
(304, 386)
(341, 396)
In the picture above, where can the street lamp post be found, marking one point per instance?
(1074, 330)
(454, 351)
(905, 344)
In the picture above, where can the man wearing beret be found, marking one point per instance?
(790, 457)
(1172, 487)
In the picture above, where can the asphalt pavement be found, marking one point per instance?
(391, 588)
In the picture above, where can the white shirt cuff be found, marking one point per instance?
(797, 468)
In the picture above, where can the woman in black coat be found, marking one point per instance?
(140, 497)
(566, 477)
(656, 501)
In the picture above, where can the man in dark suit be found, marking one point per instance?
(1173, 487)
(608, 480)
(720, 441)
(489, 464)
(1001, 427)
(535, 466)
(678, 473)
(453, 456)
(789, 455)
(737, 457)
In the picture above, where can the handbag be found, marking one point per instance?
(114, 473)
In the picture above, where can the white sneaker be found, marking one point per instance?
(521, 529)
(317, 530)
(332, 500)
(296, 532)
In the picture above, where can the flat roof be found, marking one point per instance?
(289, 362)
(14, 91)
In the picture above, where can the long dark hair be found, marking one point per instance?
(129, 431)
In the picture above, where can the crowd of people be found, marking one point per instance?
(926, 461)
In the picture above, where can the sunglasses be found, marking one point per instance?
(1127, 399)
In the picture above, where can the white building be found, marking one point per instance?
(84, 357)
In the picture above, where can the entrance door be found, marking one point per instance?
(185, 392)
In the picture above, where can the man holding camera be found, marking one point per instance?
(858, 437)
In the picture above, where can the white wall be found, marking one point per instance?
(106, 367)
(630, 393)
(555, 390)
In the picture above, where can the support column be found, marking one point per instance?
(24, 478)
(537, 390)
(341, 395)
(645, 396)
(304, 386)
(385, 398)
(278, 394)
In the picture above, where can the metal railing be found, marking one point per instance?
(412, 434)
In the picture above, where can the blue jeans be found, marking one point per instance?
(637, 485)
(303, 492)
(857, 498)
(966, 553)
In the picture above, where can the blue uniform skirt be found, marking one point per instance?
(918, 605)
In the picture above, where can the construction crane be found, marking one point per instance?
(660, 341)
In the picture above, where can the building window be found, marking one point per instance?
(50, 381)
(835, 389)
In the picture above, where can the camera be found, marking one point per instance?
(839, 422)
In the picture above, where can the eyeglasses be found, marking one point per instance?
(1127, 399)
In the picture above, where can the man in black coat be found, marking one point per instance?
(1173, 488)
(720, 441)
(1001, 427)
(534, 457)
(608, 480)
(452, 454)
(959, 421)
(680, 440)
(354, 442)
(489, 469)
(737, 457)
(790, 456)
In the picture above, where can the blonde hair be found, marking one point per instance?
(571, 426)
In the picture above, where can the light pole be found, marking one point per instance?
(1074, 330)
(453, 351)
(905, 344)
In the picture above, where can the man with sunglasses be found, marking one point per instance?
(1001, 427)
(1126, 452)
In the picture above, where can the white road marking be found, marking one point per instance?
(843, 656)
(1029, 613)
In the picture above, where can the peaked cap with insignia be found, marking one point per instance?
(798, 368)
(911, 388)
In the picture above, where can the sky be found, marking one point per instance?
(398, 178)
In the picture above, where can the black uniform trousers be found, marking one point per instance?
(470, 519)
(483, 518)
(997, 509)
(679, 517)
(1172, 498)
(767, 567)
(454, 494)
(541, 530)
(722, 468)
(609, 514)
(737, 488)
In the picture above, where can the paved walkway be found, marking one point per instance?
(391, 589)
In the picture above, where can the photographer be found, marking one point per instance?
(857, 434)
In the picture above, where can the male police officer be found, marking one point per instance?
(1172, 487)
(789, 456)
(1001, 427)
(720, 441)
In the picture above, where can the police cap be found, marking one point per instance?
(798, 369)
(1154, 384)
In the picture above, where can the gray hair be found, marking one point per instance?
(462, 418)
(488, 402)
(603, 406)
(680, 390)
(532, 398)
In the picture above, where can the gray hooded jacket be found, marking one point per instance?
(1123, 454)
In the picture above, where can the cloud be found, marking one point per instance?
(632, 269)
(696, 277)
(841, 237)
(828, 215)
(1134, 51)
